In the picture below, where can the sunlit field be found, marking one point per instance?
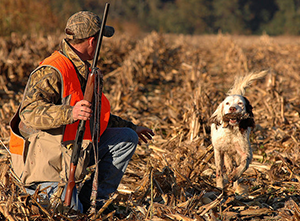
(172, 84)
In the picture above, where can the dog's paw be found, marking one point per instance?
(233, 177)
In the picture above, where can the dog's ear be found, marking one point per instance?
(217, 116)
(249, 107)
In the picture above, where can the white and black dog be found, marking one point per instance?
(231, 125)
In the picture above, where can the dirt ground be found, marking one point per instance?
(172, 84)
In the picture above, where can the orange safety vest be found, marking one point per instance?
(71, 86)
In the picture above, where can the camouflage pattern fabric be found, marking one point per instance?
(85, 24)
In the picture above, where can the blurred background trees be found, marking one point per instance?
(274, 17)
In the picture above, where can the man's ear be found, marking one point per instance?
(92, 41)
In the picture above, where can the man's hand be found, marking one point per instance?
(144, 133)
(82, 110)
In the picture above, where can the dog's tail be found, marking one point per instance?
(243, 82)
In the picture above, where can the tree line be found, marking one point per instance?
(274, 17)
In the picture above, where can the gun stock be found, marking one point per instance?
(88, 95)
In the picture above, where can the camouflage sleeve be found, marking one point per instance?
(115, 121)
(41, 106)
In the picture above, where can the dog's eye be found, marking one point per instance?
(240, 103)
(227, 103)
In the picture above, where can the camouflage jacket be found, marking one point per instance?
(41, 106)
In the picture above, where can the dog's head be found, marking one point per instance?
(236, 109)
(233, 110)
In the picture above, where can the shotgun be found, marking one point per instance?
(88, 95)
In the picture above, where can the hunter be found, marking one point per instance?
(44, 128)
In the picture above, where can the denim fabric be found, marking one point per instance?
(116, 147)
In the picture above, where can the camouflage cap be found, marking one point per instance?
(85, 24)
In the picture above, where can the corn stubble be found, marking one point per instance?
(172, 84)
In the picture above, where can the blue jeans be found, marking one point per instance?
(116, 147)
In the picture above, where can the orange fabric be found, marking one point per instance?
(72, 87)
(16, 143)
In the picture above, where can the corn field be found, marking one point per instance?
(172, 84)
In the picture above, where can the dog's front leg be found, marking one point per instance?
(228, 162)
(219, 162)
(245, 159)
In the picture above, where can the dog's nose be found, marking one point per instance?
(232, 109)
